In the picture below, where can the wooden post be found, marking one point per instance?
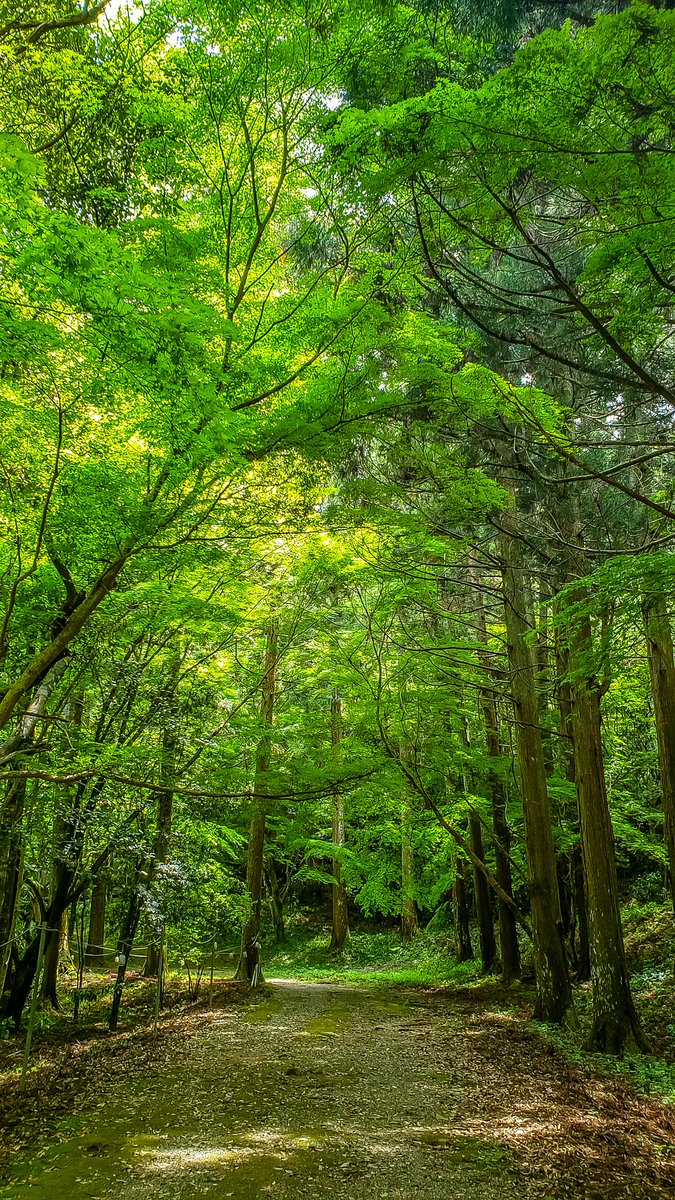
(34, 1000)
(213, 956)
(164, 967)
(158, 989)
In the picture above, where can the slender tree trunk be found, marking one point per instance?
(12, 817)
(578, 916)
(551, 971)
(614, 1017)
(583, 949)
(662, 674)
(11, 868)
(126, 944)
(486, 932)
(276, 898)
(96, 937)
(249, 960)
(56, 950)
(508, 929)
(460, 909)
(340, 932)
(57, 954)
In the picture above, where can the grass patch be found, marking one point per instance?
(372, 958)
(652, 1074)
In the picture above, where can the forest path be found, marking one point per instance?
(326, 1091)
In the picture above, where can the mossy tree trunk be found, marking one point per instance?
(553, 988)
(615, 1020)
(483, 894)
(508, 930)
(460, 912)
(578, 917)
(662, 675)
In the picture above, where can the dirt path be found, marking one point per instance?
(330, 1092)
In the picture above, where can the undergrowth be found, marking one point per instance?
(378, 958)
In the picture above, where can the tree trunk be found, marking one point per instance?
(551, 971)
(12, 818)
(460, 909)
(56, 955)
(96, 937)
(583, 950)
(340, 932)
(56, 950)
(508, 929)
(662, 674)
(578, 916)
(126, 943)
(614, 1017)
(486, 932)
(276, 899)
(11, 868)
(249, 959)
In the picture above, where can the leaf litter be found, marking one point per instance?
(313, 1090)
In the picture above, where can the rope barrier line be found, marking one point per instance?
(106, 950)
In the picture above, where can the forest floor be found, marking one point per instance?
(324, 1090)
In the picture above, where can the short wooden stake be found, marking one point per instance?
(158, 990)
(213, 958)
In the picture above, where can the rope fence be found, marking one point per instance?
(198, 948)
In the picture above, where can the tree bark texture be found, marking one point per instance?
(662, 675)
(551, 971)
(483, 894)
(508, 929)
(614, 1017)
(460, 911)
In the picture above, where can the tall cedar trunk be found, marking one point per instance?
(583, 949)
(96, 936)
(508, 929)
(340, 931)
(162, 839)
(579, 917)
(460, 910)
(554, 994)
(614, 1016)
(662, 673)
(483, 894)
(249, 959)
